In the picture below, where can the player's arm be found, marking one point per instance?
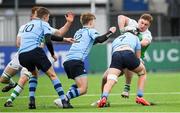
(138, 53)
(146, 39)
(69, 19)
(102, 38)
(145, 42)
(138, 49)
(122, 21)
(60, 39)
(18, 40)
(49, 43)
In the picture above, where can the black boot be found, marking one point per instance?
(32, 104)
(66, 104)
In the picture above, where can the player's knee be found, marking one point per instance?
(112, 77)
(104, 79)
(52, 76)
(25, 72)
(142, 72)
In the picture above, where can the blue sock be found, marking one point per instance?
(105, 94)
(58, 88)
(74, 86)
(140, 93)
(73, 92)
(32, 86)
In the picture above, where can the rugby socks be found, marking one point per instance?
(127, 88)
(8, 77)
(105, 94)
(32, 86)
(74, 86)
(140, 93)
(11, 82)
(73, 92)
(17, 90)
(58, 88)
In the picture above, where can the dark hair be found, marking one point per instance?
(147, 17)
(42, 11)
(86, 17)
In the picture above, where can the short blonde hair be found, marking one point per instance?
(86, 17)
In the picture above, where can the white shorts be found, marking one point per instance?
(14, 63)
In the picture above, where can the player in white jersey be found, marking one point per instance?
(145, 37)
(23, 79)
(74, 64)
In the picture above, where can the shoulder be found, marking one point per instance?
(45, 23)
(22, 27)
(147, 34)
(93, 31)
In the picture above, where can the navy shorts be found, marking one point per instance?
(35, 58)
(124, 59)
(74, 68)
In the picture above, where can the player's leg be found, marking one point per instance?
(128, 77)
(28, 60)
(10, 70)
(104, 80)
(58, 87)
(6, 78)
(141, 71)
(82, 85)
(112, 78)
(75, 70)
(33, 82)
(24, 77)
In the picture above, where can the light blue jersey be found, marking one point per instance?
(21, 30)
(127, 39)
(33, 34)
(85, 38)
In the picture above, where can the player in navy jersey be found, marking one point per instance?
(31, 55)
(74, 64)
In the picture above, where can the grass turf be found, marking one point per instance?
(161, 88)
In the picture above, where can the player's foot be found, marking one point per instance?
(66, 104)
(125, 94)
(61, 104)
(141, 100)
(8, 104)
(96, 103)
(8, 87)
(102, 102)
(32, 104)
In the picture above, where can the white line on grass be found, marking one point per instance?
(91, 95)
(91, 112)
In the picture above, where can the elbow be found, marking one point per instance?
(58, 33)
(121, 16)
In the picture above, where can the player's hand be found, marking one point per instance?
(112, 29)
(54, 57)
(69, 40)
(69, 16)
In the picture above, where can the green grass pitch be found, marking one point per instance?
(161, 88)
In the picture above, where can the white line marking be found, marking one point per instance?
(91, 95)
